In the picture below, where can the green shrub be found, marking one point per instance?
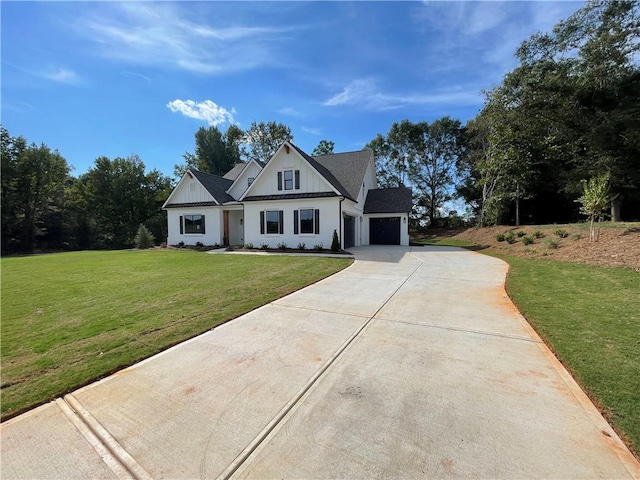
(144, 238)
(576, 236)
(248, 245)
(335, 242)
(528, 240)
(264, 246)
(521, 233)
(500, 237)
(301, 246)
(552, 243)
(510, 238)
(318, 246)
(560, 232)
(282, 246)
(538, 234)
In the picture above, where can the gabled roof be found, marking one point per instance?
(347, 168)
(235, 171)
(215, 185)
(388, 200)
(327, 174)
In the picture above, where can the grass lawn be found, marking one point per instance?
(71, 318)
(590, 317)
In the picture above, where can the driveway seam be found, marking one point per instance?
(466, 330)
(281, 416)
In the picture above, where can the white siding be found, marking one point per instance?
(241, 183)
(213, 226)
(190, 190)
(329, 221)
(310, 180)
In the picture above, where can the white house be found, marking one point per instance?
(293, 198)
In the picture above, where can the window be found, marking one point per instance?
(291, 180)
(192, 186)
(271, 222)
(193, 224)
(306, 221)
(250, 181)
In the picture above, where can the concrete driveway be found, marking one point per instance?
(411, 363)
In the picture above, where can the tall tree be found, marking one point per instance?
(394, 152)
(123, 196)
(325, 147)
(214, 153)
(435, 152)
(262, 140)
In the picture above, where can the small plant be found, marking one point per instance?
(248, 246)
(520, 233)
(576, 236)
(527, 240)
(552, 243)
(318, 246)
(301, 246)
(538, 234)
(144, 238)
(560, 232)
(199, 244)
(510, 238)
(595, 200)
(181, 244)
(500, 237)
(264, 246)
(216, 245)
(335, 242)
(282, 246)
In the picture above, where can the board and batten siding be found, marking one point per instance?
(190, 191)
(310, 180)
(241, 183)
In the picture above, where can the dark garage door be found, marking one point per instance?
(349, 231)
(384, 231)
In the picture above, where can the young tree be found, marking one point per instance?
(325, 147)
(595, 200)
(262, 140)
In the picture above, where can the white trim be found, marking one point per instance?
(242, 171)
(177, 187)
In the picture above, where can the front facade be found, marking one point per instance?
(291, 200)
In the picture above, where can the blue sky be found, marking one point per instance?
(114, 79)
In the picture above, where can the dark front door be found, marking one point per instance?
(349, 231)
(384, 231)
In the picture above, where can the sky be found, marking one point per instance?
(115, 79)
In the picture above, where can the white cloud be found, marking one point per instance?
(312, 131)
(208, 111)
(62, 75)
(138, 75)
(290, 111)
(173, 36)
(364, 93)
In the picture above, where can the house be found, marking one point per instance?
(293, 198)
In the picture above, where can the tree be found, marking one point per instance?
(262, 140)
(325, 147)
(595, 200)
(394, 153)
(214, 153)
(435, 149)
(144, 238)
(122, 197)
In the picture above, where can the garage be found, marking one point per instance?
(384, 231)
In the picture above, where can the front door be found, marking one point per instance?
(225, 221)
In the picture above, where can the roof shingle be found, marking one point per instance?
(388, 200)
(215, 185)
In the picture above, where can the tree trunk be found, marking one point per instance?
(615, 210)
(517, 204)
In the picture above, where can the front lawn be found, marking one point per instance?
(71, 318)
(590, 318)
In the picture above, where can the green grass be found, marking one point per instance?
(71, 318)
(590, 317)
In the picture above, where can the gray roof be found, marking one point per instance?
(191, 204)
(234, 172)
(388, 200)
(215, 185)
(290, 196)
(327, 174)
(348, 168)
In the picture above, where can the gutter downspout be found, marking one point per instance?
(340, 219)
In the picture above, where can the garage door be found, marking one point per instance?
(384, 231)
(349, 231)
